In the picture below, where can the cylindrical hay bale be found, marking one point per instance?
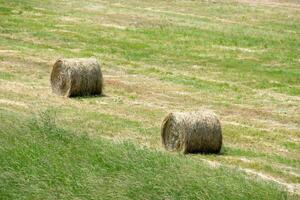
(77, 77)
(192, 132)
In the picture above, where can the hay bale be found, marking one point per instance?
(76, 77)
(192, 132)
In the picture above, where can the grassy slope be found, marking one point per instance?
(39, 160)
(238, 58)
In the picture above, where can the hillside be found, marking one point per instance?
(238, 58)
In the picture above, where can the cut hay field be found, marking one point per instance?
(239, 58)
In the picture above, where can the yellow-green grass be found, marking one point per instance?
(238, 58)
(40, 160)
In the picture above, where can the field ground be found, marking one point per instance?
(239, 58)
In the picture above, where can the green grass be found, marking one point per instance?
(238, 58)
(6, 75)
(39, 160)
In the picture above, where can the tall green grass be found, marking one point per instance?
(39, 160)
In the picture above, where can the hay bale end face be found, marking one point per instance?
(77, 77)
(192, 132)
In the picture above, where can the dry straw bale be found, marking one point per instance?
(77, 77)
(192, 132)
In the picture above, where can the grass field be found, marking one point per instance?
(239, 58)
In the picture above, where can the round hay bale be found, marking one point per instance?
(76, 77)
(192, 132)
